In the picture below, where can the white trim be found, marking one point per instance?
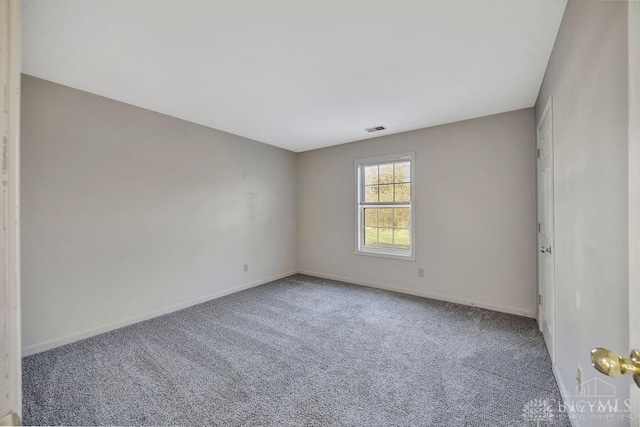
(401, 254)
(388, 157)
(634, 193)
(48, 345)
(57, 342)
(386, 253)
(10, 370)
(492, 307)
(547, 109)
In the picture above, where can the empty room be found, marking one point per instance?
(320, 213)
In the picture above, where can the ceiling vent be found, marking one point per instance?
(375, 129)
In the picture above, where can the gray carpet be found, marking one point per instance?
(300, 351)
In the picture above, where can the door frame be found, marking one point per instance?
(10, 342)
(634, 196)
(547, 113)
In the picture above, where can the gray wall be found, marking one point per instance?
(475, 217)
(128, 213)
(587, 77)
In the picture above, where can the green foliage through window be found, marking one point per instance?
(385, 199)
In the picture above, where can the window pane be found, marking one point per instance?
(371, 175)
(403, 192)
(386, 173)
(402, 218)
(385, 217)
(401, 239)
(403, 172)
(371, 217)
(370, 236)
(371, 193)
(385, 237)
(386, 193)
(386, 206)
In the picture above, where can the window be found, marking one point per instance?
(385, 206)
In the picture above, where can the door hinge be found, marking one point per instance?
(539, 227)
(538, 153)
(539, 299)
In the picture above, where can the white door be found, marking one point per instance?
(546, 269)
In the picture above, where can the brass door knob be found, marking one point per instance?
(612, 364)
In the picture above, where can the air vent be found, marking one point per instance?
(375, 129)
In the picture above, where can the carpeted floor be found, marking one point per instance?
(300, 351)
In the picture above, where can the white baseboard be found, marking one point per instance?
(57, 342)
(488, 306)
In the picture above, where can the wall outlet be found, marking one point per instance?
(421, 272)
(245, 267)
(579, 383)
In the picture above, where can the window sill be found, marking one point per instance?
(386, 254)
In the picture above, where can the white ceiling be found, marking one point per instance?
(298, 74)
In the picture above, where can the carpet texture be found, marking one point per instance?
(300, 351)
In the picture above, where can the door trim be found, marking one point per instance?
(10, 368)
(634, 194)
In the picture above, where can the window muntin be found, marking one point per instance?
(385, 211)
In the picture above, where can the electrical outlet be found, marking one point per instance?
(421, 272)
(579, 383)
(245, 267)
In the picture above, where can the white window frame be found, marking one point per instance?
(361, 249)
